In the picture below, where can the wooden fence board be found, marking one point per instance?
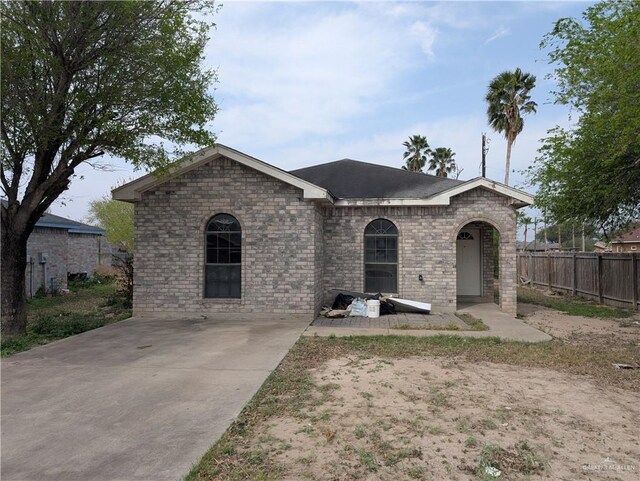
(611, 278)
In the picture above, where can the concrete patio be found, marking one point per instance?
(500, 325)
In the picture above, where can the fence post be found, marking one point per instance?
(634, 281)
(574, 279)
(599, 271)
(530, 270)
(549, 270)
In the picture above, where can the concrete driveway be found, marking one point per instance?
(136, 400)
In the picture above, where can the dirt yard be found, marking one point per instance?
(432, 409)
(582, 330)
(445, 419)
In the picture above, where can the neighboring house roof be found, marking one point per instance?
(633, 236)
(72, 226)
(343, 183)
(541, 246)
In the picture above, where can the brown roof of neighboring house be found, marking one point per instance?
(633, 236)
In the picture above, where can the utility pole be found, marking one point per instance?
(583, 246)
(573, 235)
(535, 234)
(485, 149)
(559, 238)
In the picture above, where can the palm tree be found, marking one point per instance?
(442, 162)
(508, 99)
(524, 220)
(416, 154)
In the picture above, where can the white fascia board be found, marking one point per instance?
(521, 198)
(132, 191)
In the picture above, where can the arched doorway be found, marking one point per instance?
(477, 270)
(469, 262)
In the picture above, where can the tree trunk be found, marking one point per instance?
(507, 166)
(14, 263)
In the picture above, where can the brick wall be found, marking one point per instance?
(427, 246)
(280, 252)
(52, 242)
(294, 250)
(84, 253)
(67, 252)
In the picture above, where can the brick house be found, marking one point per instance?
(225, 233)
(629, 242)
(59, 246)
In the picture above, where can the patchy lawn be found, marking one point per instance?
(444, 407)
(87, 307)
(573, 306)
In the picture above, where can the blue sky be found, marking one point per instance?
(302, 83)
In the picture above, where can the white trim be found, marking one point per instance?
(132, 191)
(521, 198)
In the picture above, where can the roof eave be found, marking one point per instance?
(132, 191)
(518, 198)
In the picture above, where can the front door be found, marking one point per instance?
(468, 263)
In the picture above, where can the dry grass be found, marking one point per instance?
(292, 392)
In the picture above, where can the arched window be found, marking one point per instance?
(223, 257)
(381, 257)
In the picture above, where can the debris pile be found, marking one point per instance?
(349, 303)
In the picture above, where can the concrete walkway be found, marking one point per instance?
(135, 400)
(500, 325)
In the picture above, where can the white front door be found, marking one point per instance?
(468, 263)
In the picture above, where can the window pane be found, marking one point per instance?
(223, 257)
(223, 281)
(381, 278)
(381, 256)
(370, 255)
(235, 239)
(223, 223)
(235, 256)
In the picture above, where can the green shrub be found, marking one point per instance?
(64, 325)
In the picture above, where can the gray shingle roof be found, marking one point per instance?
(57, 222)
(353, 179)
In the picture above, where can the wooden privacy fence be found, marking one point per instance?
(606, 277)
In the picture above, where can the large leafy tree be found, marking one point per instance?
(415, 155)
(442, 161)
(82, 79)
(591, 172)
(116, 218)
(508, 100)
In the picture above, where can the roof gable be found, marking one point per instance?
(344, 183)
(632, 236)
(132, 191)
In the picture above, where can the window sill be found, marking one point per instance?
(221, 300)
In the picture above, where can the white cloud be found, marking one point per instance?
(311, 76)
(500, 32)
(426, 36)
